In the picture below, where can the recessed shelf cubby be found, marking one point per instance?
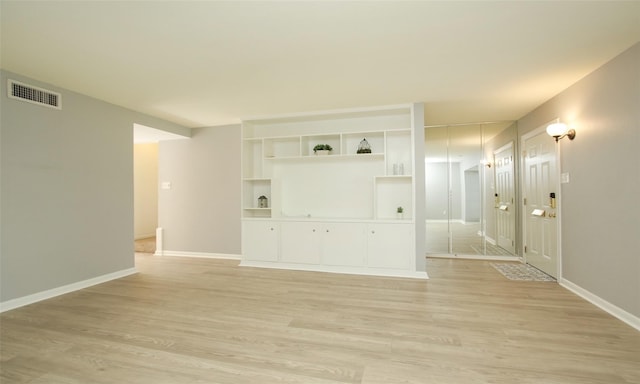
(282, 147)
(309, 142)
(351, 141)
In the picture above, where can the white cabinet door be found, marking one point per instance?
(343, 244)
(300, 242)
(260, 240)
(390, 246)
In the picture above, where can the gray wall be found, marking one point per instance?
(66, 190)
(600, 209)
(201, 211)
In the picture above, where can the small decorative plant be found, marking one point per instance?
(400, 210)
(322, 147)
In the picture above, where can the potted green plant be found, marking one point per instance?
(322, 149)
(400, 212)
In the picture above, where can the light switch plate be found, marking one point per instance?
(564, 177)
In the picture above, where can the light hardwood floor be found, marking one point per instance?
(465, 240)
(183, 320)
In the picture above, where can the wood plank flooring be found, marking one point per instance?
(186, 320)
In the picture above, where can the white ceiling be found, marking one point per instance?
(209, 63)
(143, 134)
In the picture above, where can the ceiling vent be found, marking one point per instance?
(35, 95)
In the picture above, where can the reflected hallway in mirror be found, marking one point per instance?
(470, 173)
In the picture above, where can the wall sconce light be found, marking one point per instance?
(560, 130)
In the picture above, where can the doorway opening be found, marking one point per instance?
(146, 143)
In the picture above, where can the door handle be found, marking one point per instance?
(538, 212)
(552, 214)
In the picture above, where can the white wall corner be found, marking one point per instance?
(599, 302)
(159, 243)
(44, 295)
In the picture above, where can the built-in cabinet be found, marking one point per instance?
(388, 246)
(335, 211)
(374, 246)
(261, 240)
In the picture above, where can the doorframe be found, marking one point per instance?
(542, 129)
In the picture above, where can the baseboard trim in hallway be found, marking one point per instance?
(599, 302)
(34, 298)
(476, 257)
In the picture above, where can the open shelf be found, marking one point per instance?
(390, 193)
(398, 150)
(257, 212)
(282, 147)
(351, 142)
(309, 142)
(279, 163)
(252, 158)
(330, 157)
(253, 189)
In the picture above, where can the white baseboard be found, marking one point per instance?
(204, 255)
(606, 306)
(34, 298)
(335, 269)
(476, 257)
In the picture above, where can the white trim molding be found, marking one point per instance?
(159, 241)
(50, 293)
(366, 271)
(599, 302)
(475, 257)
(204, 255)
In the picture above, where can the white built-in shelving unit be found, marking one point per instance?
(335, 212)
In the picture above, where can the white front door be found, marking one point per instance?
(540, 193)
(505, 198)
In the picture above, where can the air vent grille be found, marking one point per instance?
(35, 95)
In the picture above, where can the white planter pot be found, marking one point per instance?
(322, 152)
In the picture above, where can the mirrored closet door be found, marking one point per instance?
(470, 189)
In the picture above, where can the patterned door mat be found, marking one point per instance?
(521, 272)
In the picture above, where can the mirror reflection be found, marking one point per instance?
(470, 189)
